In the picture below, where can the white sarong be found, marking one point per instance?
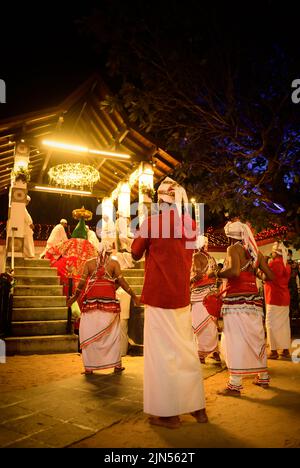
(243, 344)
(99, 335)
(173, 381)
(278, 327)
(205, 328)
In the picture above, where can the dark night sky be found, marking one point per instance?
(44, 57)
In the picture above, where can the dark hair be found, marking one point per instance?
(290, 251)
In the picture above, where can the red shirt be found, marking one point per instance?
(168, 260)
(277, 291)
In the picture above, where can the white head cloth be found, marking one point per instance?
(201, 242)
(63, 221)
(28, 198)
(241, 231)
(170, 191)
(280, 249)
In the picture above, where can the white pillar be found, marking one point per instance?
(18, 200)
(145, 185)
(124, 200)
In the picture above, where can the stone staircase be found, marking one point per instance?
(39, 315)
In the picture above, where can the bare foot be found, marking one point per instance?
(171, 422)
(228, 392)
(87, 372)
(119, 369)
(200, 416)
(273, 355)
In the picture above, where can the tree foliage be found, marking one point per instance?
(213, 87)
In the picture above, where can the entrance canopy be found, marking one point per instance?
(81, 120)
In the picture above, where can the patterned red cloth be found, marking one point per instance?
(277, 291)
(244, 283)
(100, 293)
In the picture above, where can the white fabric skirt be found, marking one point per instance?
(278, 327)
(243, 344)
(173, 381)
(205, 328)
(99, 336)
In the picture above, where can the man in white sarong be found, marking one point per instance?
(99, 330)
(205, 326)
(124, 299)
(277, 298)
(173, 381)
(28, 233)
(243, 339)
(57, 236)
(92, 238)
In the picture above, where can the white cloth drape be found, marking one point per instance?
(28, 236)
(243, 340)
(173, 381)
(99, 335)
(205, 328)
(278, 327)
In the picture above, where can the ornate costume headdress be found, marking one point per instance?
(241, 231)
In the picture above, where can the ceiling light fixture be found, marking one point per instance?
(61, 190)
(83, 149)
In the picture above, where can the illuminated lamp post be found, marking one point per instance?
(146, 190)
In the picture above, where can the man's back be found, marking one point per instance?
(168, 259)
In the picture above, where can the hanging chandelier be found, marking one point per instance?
(74, 175)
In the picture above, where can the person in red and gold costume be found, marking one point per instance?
(173, 381)
(243, 338)
(99, 331)
(277, 298)
(69, 257)
(204, 324)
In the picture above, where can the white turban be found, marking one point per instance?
(63, 221)
(28, 198)
(241, 231)
(280, 249)
(201, 242)
(170, 191)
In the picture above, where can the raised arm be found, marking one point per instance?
(266, 274)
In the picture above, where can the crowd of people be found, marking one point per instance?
(180, 332)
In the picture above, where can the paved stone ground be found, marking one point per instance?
(62, 413)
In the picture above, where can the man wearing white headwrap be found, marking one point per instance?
(28, 233)
(99, 331)
(173, 382)
(243, 338)
(277, 298)
(204, 324)
(57, 235)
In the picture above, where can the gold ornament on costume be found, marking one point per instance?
(82, 213)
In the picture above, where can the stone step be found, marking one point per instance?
(29, 263)
(133, 272)
(39, 301)
(53, 344)
(135, 280)
(39, 280)
(140, 264)
(137, 289)
(44, 313)
(40, 271)
(49, 327)
(38, 290)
